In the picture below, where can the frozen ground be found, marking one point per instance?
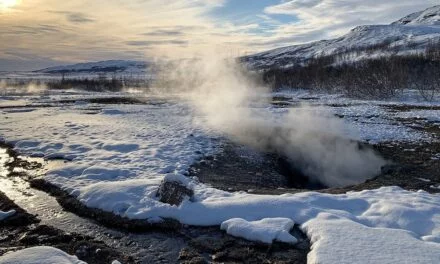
(119, 154)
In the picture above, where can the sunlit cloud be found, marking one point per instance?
(8, 4)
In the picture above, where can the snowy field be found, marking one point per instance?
(119, 154)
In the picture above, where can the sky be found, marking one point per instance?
(35, 34)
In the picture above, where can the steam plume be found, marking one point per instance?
(233, 102)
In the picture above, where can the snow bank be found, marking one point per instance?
(266, 230)
(39, 255)
(338, 240)
(4, 215)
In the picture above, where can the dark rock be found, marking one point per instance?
(189, 256)
(173, 193)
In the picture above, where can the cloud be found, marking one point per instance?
(164, 32)
(156, 42)
(75, 17)
(289, 7)
(32, 30)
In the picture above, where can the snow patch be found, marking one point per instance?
(265, 230)
(39, 255)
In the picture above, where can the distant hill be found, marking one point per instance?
(409, 35)
(109, 66)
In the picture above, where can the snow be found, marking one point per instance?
(265, 230)
(411, 34)
(338, 240)
(4, 215)
(38, 255)
(430, 16)
(119, 156)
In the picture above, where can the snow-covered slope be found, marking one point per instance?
(430, 16)
(108, 66)
(411, 34)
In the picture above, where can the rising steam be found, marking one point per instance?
(20, 87)
(235, 103)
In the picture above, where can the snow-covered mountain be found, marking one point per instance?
(430, 16)
(411, 34)
(109, 66)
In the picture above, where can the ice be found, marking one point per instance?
(4, 215)
(39, 255)
(265, 230)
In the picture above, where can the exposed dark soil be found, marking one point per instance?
(94, 100)
(411, 166)
(3, 107)
(408, 108)
(239, 168)
(115, 100)
(223, 248)
(23, 230)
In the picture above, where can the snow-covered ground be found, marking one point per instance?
(39, 255)
(119, 154)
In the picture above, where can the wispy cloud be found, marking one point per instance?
(156, 42)
(164, 32)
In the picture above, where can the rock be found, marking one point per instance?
(173, 193)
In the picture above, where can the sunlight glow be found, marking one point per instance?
(6, 4)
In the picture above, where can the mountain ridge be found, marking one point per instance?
(106, 66)
(408, 35)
